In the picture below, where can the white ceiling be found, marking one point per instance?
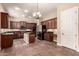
(44, 8)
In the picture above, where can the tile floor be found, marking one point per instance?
(39, 48)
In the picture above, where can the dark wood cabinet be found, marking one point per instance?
(50, 24)
(55, 23)
(21, 25)
(4, 20)
(6, 41)
(48, 36)
(31, 37)
(18, 34)
(14, 25)
(30, 25)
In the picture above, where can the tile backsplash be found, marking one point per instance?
(52, 30)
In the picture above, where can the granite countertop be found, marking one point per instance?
(7, 34)
(13, 30)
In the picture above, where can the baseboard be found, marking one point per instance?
(77, 50)
(59, 44)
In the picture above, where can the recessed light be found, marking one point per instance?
(23, 15)
(17, 8)
(26, 11)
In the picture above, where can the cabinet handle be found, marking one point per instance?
(62, 33)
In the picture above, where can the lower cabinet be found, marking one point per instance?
(6, 41)
(18, 34)
(48, 36)
(31, 37)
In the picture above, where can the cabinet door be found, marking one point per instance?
(17, 25)
(29, 26)
(48, 36)
(9, 41)
(11, 25)
(3, 42)
(14, 25)
(52, 24)
(49, 25)
(55, 23)
(6, 41)
(4, 20)
(31, 38)
(23, 23)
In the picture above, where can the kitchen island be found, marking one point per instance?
(8, 37)
(29, 37)
(18, 33)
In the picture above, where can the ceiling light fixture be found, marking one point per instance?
(23, 15)
(34, 14)
(40, 15)
(25, 11)
(17, 8)
(37, 14)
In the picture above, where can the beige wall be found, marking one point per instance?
(51, 15)
(65, 6)
(1, 8)
(60, 8)
(22, 19)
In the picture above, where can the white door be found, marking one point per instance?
(68, 23)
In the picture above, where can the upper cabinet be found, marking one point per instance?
(50, 24)
(14, 25)
(55, 23)
(30, 25)
(21, 25)
(3, 20)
